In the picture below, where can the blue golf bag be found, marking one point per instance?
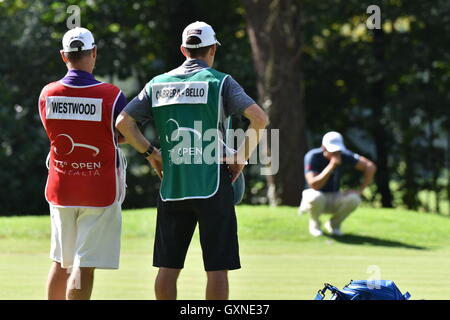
(364, 290)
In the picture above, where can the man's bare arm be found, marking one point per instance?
(120, 138)
(318, 181)
(127, 126)
(368, 168)
(258, 121)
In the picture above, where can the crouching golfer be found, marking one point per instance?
(86, 176)
(322, 173)
(186, 104)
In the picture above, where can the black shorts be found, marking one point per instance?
(176, 222)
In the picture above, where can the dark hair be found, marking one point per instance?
(75, 56)
(196, 52)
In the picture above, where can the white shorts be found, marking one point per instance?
(86, 237)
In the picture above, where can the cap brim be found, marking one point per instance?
(334, 147)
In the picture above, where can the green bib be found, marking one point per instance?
(186, 112)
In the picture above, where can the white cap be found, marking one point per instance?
(82, 35)
(201, 30)
(333, 141)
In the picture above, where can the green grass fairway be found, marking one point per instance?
(279, 258)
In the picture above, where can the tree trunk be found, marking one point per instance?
(435, 170)
(378, 131)
(448, 163)
(273, 28)
(411, 190)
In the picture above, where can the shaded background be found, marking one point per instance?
(313, 65)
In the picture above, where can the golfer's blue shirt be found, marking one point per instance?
(315, 162)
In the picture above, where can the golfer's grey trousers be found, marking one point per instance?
(338, 204)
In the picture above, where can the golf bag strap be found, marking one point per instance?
(321, 293)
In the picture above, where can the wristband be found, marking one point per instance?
(149, 151)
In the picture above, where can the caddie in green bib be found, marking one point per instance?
(186, 112)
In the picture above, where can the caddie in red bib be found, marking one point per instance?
(82, 163)
(86, 170)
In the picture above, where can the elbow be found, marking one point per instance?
(261, 121)
(314, 186)
(371, 168)
(120, 123)
(257, 116)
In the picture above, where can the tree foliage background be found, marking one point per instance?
(384, 90)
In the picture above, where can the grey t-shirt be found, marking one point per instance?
(235, 100)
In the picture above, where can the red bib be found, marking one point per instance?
(79, 125)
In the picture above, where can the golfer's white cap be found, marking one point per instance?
(201, 30)
(333, 141)
(78, 39)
